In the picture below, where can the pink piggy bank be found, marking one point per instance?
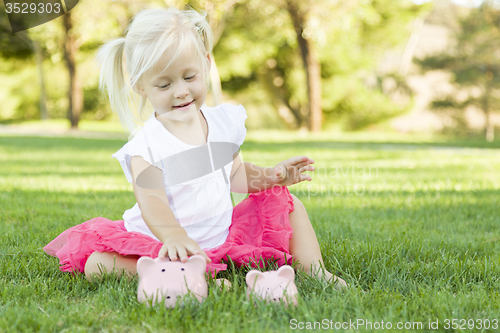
(273, 286)
(162, 279)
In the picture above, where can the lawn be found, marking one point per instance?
(414, 228)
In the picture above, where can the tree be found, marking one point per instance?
(266, 44)
(474, 62)
(39, 64)
(22, 46)
(75, 91)
(217, 14)
(86, 27)
(312, 67)
(67, 49)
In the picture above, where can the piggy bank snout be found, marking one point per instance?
(171, 297)
(278, 293)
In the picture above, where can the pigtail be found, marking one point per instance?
(202, 27)
(112, 80)
(204, 32)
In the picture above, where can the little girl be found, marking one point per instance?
(184, 162)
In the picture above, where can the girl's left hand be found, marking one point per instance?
(290, 171)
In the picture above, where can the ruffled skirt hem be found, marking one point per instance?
(260, 229)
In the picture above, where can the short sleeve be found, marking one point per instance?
(136, 147)
(238, 115)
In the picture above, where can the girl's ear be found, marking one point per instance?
(209, 61)
(138, 88)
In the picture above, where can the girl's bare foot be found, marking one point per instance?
(339, 283)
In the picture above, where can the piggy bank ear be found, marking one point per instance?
(287, 272)
(143, 264)
(253, 276)
(198, 262)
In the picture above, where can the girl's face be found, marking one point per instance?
(177, 93)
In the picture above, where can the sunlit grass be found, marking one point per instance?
(383, 138)
(414, 227)
(64, 124)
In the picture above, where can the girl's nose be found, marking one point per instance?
(181, 90)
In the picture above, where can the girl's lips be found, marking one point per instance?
(185, 106)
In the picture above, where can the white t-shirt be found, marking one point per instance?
(195, 178)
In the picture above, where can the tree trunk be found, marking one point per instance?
(489, 128)
(279, 96)
(311, 65)
(75, 91)
(39, 65)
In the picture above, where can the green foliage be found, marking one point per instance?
(257, 57)
(357, 44)
(474, 62)
(13, 46)
(254, 32)
(94, 23)
(351, 37)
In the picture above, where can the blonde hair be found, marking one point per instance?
(151, 33)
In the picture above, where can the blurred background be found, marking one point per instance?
(395, 66)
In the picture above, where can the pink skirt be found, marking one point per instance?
(260, 229)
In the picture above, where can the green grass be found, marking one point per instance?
(415, 229)
(64, 124)
(278, 136)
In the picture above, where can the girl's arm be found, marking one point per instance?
(249, 178)
(156, 212)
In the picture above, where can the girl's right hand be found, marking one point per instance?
(179, 245)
